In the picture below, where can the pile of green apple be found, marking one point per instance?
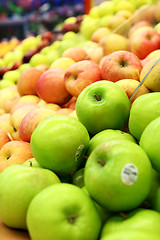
(84, 177)
(79, 137)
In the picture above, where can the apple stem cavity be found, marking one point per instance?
(123, 215)
(72, 219)
(98, 98)
(30, 163)
(15, 130)
(75, 77)
(123, 63)
(8, 157)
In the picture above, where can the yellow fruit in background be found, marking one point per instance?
(62, 62)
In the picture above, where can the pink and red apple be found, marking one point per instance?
(51, 87)
(144, 42)
(27, 81)
(121, 65)
(31, 121)
(81, 74)
(14, 152)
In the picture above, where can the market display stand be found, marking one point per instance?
(11, 234)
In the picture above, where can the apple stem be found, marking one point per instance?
(97, 97)
(122, 214)
(30, 163)
(102, 163)
(84, 156)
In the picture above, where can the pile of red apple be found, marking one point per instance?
(79, 140)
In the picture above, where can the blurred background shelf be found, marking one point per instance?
(21, 18)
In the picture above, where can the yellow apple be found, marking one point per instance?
(113, 42)
(100, 33)
(62, 62)
(14, 152)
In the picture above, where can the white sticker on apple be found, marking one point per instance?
(129, 174)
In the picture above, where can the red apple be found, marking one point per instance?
(51, 106)
(14, 152)
(31, 121)
(17, 117)
(81, 74)
(51, 88)
(10, 103)
(5, 122)
(70, 103)
(144, 42)
(121, 65)
(42, 67)
(137, 26)
(27, 81)
(4, 138)
(64, 111)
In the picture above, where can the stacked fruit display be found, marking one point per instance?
(79, 136)
(7, 46)
(22, 52)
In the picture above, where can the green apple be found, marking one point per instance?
(106, 135)
(149, 141)
(156, 200)
(2, 63)
(140, 3)
(125, 5)
(88, 26)
(107, 107)
(131, 235)
(153, 195)
(144, 220)
(58, 143)
(4, 83)
(55, 45)
(94, 12)
(114, 175)
(52, 55)
(103, 212)
(70, 20)
(103, 21)
(23, 67)
(12, 75)
(29, 43)
(63, 211)
(106, 7)
(69, 35)
(19, 184)
(65, 44)
(45, 50)
(31, 163)
(8, 58)
(38, 59)
(78, 178)
(18, 55)
(143, 110)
